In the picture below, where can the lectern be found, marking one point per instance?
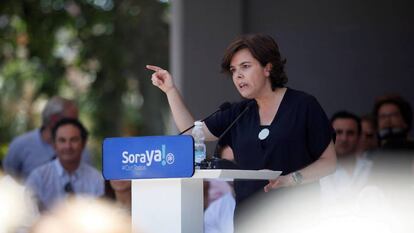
(167, 193)
(176, 205)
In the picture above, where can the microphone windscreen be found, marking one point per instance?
(224, 106)
(249, 104)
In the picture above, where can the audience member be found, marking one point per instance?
(33, 149)
(17, 210)
(67, 175)
(219, 214)
(394, 119)
(368, 140)
(390, 181)
(218, 217)
(218, 188)
(120, 192)
(393, 161)
(352, 172)
(85, 215)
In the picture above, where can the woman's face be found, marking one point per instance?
(249, 76)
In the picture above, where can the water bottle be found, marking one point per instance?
(199, 146)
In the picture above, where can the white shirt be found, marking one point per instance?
(218, 217)
(341, 186)
(48, 182)
(28, 152)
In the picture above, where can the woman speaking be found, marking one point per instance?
(283, 129)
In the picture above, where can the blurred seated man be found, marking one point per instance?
(218, 217)
(368, 140)
(392, 173)
(34, 148)
(220, 204)
(18, 211)
(393, 162)
(394, 119)
(217, 188)
(85, 215)
(68, 174)
(352, 171)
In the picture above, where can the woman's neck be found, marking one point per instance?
(269, 105)
(271, 98)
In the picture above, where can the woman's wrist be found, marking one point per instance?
(170, 90)
(296, 178)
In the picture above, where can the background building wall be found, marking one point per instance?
(345, 53)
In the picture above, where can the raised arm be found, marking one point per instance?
(182, 117)
(163, 80)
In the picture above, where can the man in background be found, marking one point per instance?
(352, 171)
(394, 119)
(369, 138)
(67, 175)
(34, 148)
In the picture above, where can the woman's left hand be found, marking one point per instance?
(281, 181)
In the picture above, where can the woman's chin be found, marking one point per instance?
(246, 95)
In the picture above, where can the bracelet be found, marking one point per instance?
(297, 177)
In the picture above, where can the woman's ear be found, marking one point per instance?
(268, 68)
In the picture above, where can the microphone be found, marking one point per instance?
(222, 107)
(218, 163)
(235, 120)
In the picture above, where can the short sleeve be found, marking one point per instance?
(217, 125)
(319, 130)
(11, 163)
(220, 121)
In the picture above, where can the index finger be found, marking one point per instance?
(153, 68)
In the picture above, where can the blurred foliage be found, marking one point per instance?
(93, 51)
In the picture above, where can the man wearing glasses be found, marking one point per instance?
(394, 120)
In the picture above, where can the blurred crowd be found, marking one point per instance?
(50, 185)
(372, 183)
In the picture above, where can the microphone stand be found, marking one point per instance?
(222, 107)
(216, 162)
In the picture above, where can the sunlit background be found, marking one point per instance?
(92, 51)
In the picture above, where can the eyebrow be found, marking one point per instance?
(345, 131)
(242, 63)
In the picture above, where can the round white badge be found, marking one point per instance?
(263, 134)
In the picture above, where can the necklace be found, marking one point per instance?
(263, 134)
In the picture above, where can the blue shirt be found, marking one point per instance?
(29, 151)
(48, 181)
(298, 135)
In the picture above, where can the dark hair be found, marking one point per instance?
(70, 121)
(347, 115)
(369, 118)
(264, 49)
(109, 191)
(404, 107)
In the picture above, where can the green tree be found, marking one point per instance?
(92, 51)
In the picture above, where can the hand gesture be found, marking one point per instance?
(161, 78)
(281, 181)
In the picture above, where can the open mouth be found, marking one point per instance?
(242, 85)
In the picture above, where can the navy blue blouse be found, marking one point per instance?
(299, 134)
